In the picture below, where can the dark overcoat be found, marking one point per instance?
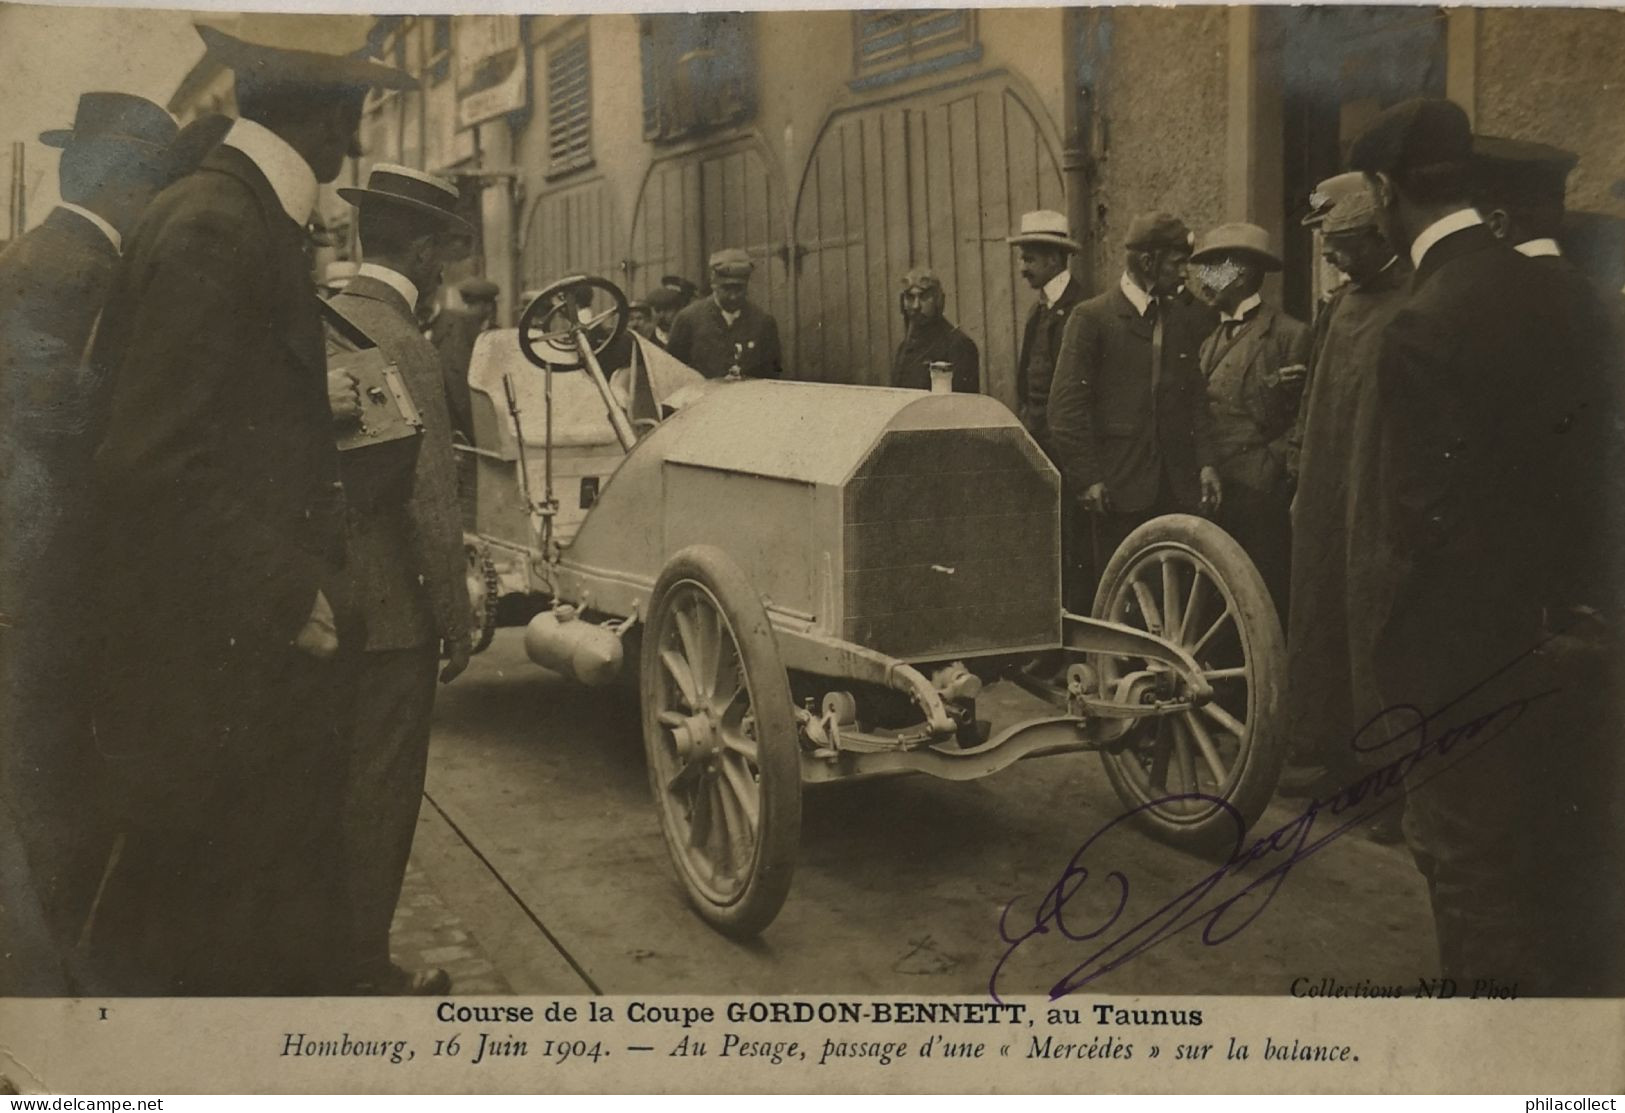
(221, 517)
(937, 341)
(702, 338)
(1490, 480)
(1041, 334)
(1107, 422)
(453, 333)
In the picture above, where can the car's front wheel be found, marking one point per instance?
(719, 731)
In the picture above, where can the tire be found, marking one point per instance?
(1231, 748)
(483, 587)
(720, 746)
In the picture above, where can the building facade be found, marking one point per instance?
(840, 148)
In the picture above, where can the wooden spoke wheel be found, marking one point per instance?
(550, 324)
(1186, 580)
(720, 735)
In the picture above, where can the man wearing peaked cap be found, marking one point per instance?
(726, 334)
(1335, 455)
(931, 338)
(1044, 248)
(1493, 480)
(405, 564)
(1128, 413)
(53, 283)
(1520, 189)
(1329, 192)
(217, 485)
(1254, 362)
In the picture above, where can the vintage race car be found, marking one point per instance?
(811, 582)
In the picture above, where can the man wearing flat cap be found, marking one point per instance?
(1330, 690)
(1254, 363)
(932, 338)
(1044, 249)
(1495, 588)
(1128, 413)
(224, 600)
(53, 282)
(405, 563)
(686, 290)
(727, 335)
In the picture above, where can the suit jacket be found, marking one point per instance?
(452, 334)
(704, 340)
(1254, 413)
(1033, 383)
(52, 284)
(406, 560)
(1109, 425)
(217, 478)
(1492, 466)
(937, 342)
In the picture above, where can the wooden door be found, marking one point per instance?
(936, 181)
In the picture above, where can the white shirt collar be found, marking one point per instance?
(1538, 247)
(394, 279)
(1248, 304)
(291, 178)
(99, 221)
(1138, 298)
(1439, 229)
(1055, 287)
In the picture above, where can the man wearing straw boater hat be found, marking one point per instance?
(219, 499)
(1044, 247)
(406, 564)
(53, 281)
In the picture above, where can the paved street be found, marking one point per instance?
(539, 868)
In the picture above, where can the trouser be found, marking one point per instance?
(1261, 523)
(386, 760)
(235, 890)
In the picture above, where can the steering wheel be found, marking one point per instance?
(551, 322)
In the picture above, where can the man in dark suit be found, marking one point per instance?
(1489, 494)
(1128, 412)
(1044, 246)
(53, 281)
(665, 302)
(1254, 362)
(726, 335)
(406, 564)
(932, 338)
(453, 333)
(223, 601)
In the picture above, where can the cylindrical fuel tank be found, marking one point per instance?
(559, 640)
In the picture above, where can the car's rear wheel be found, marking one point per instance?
(483, 589)
(720, 735)
(1186, 580)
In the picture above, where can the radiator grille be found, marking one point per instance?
(978, 502)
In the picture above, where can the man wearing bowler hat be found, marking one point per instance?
(223, 599)
(1489, 493)
(726, 334)
(1254, 363)
(1128, 413)
(1044, 248)
(53, 282)
(405, 563)
(932, 338)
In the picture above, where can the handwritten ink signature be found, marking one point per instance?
(1227, 902)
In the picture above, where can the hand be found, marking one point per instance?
(319, 637)
(344, 396)
(1212, 491)
(1292, 374)
(456, 652)
(1094, 499)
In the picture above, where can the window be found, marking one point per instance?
(699, 73)
(439, 63)
(901, 43)
(569, 106)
